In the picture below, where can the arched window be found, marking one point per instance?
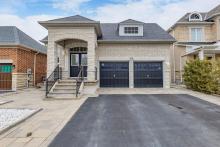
(195, 17)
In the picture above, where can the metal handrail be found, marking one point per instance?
(79, 80)
(52, 79)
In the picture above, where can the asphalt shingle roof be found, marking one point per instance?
(110, 32)
(152, 32)
(11, 35)
(214, 11)
(75, 18)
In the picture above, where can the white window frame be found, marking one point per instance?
(139, 26)
(132, 30)
(196, 13)
(190, 34)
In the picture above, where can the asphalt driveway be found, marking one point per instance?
(142, 121)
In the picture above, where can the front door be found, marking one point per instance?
(78, 60)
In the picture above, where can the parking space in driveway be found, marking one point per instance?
(161, 120)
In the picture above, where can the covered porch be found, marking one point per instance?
(73, 55)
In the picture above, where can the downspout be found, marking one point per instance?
(35, 58)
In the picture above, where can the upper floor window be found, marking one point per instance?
(195, 17)
(131, 30)
(196, 34)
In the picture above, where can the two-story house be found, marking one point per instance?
(198, 37)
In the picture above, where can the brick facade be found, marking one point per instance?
(23, 58)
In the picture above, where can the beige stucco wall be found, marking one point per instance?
(56, 34)
(137, 52)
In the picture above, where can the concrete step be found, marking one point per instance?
(62, 96)
(66, 84)
(67, 81)
(64, 90)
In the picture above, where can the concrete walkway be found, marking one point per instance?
(44, 125)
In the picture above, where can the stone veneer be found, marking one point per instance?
(130, 52)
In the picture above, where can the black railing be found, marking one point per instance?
(79, 81)
(52, 79)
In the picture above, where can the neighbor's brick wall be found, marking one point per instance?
(41, 67)
(24, 59)
(9, 53)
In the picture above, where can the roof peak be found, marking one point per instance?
(74, 18)
(131, 21)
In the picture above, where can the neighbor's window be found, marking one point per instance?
(196, 34)
(195, 17)
(131, 30)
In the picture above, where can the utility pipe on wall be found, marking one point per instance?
(35, 58)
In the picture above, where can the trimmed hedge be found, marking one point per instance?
(203, 76)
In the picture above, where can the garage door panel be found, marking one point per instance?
(114, 74)
(148, 74)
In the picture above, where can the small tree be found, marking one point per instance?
(202, 76)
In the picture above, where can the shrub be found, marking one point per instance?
(203, 76)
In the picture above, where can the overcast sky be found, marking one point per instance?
(25, 13)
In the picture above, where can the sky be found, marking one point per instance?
(25, 14)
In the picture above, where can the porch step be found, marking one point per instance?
(67, 81)
(64, 90)
(62, 96)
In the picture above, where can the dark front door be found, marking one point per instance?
(78, 60)
(148, 74)
(5, 76)
(114, 74)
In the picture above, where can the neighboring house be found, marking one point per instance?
(126, 54)
(22, 59)
(198, 37)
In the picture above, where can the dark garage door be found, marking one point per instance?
(114, 74)
(148, 74)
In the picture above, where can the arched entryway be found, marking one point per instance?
(72, 57)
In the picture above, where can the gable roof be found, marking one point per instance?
(11, 35)
(110, 31)
(75, 18)
(185, 18)
(213, 12)
(151, 32)
(131, 21)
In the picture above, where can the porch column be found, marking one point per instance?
(51, 57)
(131, 73)
(201, 55)
(91, 62)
